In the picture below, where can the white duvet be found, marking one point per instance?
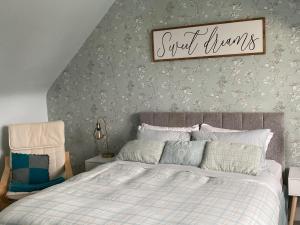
(136, 193)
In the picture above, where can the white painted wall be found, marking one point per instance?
(30, 107)
(39, 37)
(37, 40)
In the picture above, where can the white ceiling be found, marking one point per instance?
(39, 37)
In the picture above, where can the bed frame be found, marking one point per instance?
(229, 120)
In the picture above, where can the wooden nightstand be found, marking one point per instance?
(294, 190)
(96, 161)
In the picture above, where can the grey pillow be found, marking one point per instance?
(183, 152)
(232, 157)
(252, 137)
(158, 135)
(145, 151)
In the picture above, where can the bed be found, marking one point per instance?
(124, 192)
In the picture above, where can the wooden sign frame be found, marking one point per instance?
(220, 39)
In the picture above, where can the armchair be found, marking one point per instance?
(41, 139)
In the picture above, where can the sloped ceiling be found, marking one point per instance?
(39, 38)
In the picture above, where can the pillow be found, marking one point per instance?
(21, 187)
(145, 151)
(232, 157)
(159, 135)
(260, 137)
(183, 129)
(183, 152)
(30, 169)
(252, 137)
(208, 128)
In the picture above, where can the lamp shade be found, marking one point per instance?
(98, 134)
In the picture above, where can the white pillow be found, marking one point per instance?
(163, 135)
(207, 128)
(183, 129)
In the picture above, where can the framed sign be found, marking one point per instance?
(230, 38)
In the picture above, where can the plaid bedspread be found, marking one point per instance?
(140, 194)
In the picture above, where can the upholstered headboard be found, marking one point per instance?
(232, 120)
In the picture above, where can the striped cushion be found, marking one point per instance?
(232, 157)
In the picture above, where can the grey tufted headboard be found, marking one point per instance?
(229, 120)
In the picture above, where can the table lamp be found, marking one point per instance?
(99, 135)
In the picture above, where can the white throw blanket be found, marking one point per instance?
(136, 193)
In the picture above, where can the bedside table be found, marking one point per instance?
(96, 161)
(294, 190)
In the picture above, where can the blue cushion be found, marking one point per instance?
(30, 169)
(38, 176)
(20, 161)
(183, 152)
(20, 187)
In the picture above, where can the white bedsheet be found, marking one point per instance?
(136, 193)
(270, 176)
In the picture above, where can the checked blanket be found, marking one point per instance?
(140, 194)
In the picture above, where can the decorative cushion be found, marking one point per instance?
(30, 169)
(251, 137)
(182, 129)
(145, 151)
(159, 135)
(232, 157)
(183, 152)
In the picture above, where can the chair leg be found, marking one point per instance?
(4, 202)
(293, 210)
(68, 167)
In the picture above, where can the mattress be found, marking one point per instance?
(136, 193)
(273, 169)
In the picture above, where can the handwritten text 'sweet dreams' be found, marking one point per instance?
(210, 40)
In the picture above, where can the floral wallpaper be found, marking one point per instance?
(113, 76)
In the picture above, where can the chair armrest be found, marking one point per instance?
(3, 191)
(5, 177)
(68, 167)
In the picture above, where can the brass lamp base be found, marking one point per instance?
(108, 155)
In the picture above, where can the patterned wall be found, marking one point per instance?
(112, 75)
